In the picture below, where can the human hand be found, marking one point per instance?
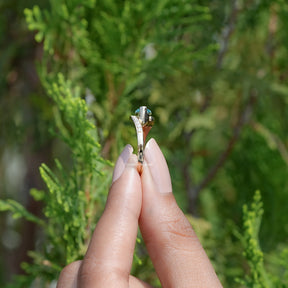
(147, 201)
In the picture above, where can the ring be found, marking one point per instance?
(143, 121)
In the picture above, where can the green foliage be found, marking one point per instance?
(75, 196)
(253, 254)
(260, 275)
(66, 17)
(118, 50)
(18, 211)
(78, 194)
(214, 75)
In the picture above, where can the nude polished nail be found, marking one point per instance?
(121, 162)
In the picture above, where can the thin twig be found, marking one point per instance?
(227, 32)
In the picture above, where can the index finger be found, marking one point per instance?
(176, 253)
(110, 253)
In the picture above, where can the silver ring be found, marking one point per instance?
(143, 121)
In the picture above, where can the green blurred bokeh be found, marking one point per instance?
(214, 73)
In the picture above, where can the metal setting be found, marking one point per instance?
(143, 121)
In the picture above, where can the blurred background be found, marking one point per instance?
(214, 74)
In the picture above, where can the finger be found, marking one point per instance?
(68, 276)
(136, 283)
(177, 255)
(110, 253)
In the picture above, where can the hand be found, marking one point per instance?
(147, 201)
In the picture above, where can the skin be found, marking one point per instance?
(146, 201)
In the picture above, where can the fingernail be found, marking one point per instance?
(158, 167)
(121, 162)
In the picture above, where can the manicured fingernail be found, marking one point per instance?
(121, 162)
(158, 167)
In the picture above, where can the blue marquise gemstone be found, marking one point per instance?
(137, 111)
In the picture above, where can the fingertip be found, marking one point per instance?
(156, 183)
(121, 162)
(127, 188)
(129, 177)
(158, 167)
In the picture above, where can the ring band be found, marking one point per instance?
(142, 119)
